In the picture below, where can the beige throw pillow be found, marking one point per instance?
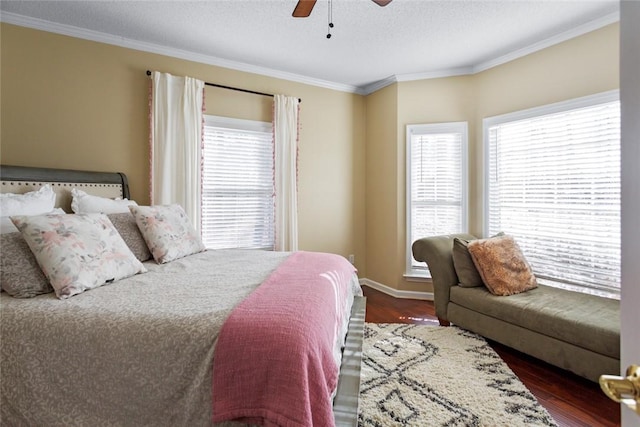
(20, 274)
(128, 229)
(502, 265)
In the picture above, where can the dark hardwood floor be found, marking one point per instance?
(570, 399)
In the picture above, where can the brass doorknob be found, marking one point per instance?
(625, 390)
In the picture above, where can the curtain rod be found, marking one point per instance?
(235, 88)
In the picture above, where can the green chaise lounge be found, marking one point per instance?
(571, 330)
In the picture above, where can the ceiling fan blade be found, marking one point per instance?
(303, 8)
(382, 2)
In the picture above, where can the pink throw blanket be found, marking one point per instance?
(273, 362)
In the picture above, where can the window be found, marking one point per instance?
(237, 184)
(553, 182)
(436, 184)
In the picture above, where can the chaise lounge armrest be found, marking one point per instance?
(437, 252)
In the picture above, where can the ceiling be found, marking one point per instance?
(370, 46)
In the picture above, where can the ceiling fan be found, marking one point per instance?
(304, 7)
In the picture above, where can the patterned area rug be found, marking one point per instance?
(418, 375)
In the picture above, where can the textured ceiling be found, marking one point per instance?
(369, 43)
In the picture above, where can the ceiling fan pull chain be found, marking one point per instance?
(330, 19)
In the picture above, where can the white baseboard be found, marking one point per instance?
(396, 293)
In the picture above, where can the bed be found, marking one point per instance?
(142, 350)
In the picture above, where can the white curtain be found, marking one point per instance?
(176, 143)
(285, 131)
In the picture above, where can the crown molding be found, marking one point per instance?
(450, 72)
(97, 36)
(377, 85)
(483, 66)
(559, 38)
(68, 30)
(596, 24)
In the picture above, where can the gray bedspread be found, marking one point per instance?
(136, 352)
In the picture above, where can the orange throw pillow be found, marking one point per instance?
(502, 265)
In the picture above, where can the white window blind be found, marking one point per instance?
(237, 193)
(554, 183)
(436, 183)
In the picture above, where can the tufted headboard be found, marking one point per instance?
(21, 179)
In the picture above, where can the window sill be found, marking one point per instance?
(417, 276)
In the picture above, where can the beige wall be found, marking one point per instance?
(381, 185)
(582, 66)
(72, 103)
(77, 104)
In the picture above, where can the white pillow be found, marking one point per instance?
(31, 203)
(85, 203)
(77, 252)
(167, 231)
(6, 226)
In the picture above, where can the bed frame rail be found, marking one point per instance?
(345, 404)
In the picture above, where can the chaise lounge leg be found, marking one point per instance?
(443, 322)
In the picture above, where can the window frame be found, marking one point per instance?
(421, 273)
(530, 113)
(240, 125)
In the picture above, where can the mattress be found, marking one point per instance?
(136, 352)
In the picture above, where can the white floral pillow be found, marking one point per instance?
(167, 231)
(77, 252)
(83, 203)
(6, 226)
(32, 203)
